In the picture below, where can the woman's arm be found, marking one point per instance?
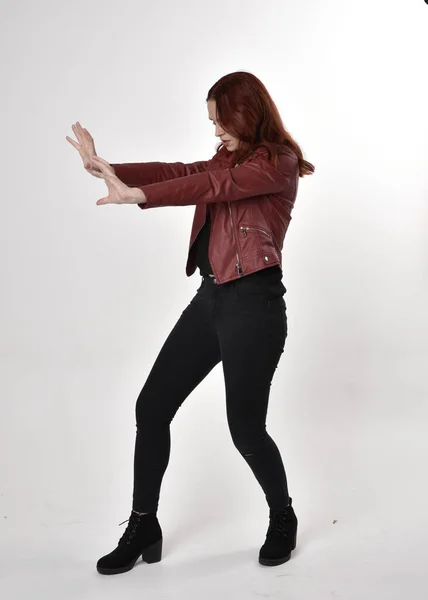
(138, 174)
(253, 178)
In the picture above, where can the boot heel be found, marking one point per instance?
(294, 540)
(153, 553)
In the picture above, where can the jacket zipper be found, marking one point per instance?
(238, 264)
(244, 230)
(209, 244)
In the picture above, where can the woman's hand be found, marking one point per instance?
(85, 147)
(118, 192)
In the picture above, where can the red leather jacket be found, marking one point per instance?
(251, 205)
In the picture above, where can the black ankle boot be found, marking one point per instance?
(280, 537)
(142, 537)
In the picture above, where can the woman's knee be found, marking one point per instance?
(145, 409)
(151, 411)
(248, 441)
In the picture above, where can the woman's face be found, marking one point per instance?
(233, 143)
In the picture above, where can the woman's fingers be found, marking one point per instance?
(77, 132)
(101, 160)
(75, 144)
(88, 134)
(86, 149)
(94, 170)
(84, 134)
(103, 165)
(81, 134)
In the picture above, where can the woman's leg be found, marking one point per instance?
(252, 331)
(189, 353)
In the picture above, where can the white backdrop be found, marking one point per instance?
(90, 293)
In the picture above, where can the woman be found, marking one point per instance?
(243, 200)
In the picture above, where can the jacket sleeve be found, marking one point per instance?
(137, 174)
(253, 178)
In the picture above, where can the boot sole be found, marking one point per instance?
(151, 554)
(272, 562)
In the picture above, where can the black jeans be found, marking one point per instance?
(243, 324)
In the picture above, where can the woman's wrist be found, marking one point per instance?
(138, 196)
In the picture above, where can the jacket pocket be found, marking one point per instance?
(256, 241)
(245, 229)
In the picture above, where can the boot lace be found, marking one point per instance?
(131, 529)
(278, 524)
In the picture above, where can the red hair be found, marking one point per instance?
(246, 111)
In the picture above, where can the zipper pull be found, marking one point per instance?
(239, 269)
(244, 230)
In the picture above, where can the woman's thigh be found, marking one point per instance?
(252, 331)
(188, 354)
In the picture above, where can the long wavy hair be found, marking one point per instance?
(246, 111)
